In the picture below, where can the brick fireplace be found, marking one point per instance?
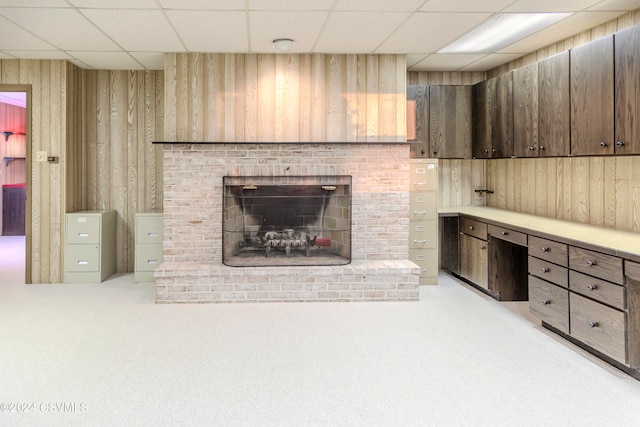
(193, 269)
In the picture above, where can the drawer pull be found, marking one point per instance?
(152, 234)
(593, 324)
(620, 143)
(419, 212)
(544, 269)
(592, 287)
(82, 262)
(504, 233)
(420, 241)
(545, 249)
(420, 183)
(603, 144)
(83, 234)
(483, 247)
(422, 271)
(591, 263)
(471, 227)
(152, 261)
(546, 302)
(532, 148)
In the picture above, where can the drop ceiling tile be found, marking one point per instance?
(151, 61)
(303, 27)
(490, 61)
(115, 4)
(107, 60)
(139, 30)
(550, 5)
(379, 5)
(465, 5)
(66, 29)
(429, 32)
(206, 31)
(355, 27)
(203, 4)
(39, 54)
(290, 5)
(622, 5)
(15, 38)
(446, 62)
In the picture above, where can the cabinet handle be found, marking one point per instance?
(545, 249)
(471, 227)
(494, 151)
(504, 233)
(483, 247)
(592, 287)
(541, 148)
(591, 263)
(546, 302)
(603, 144)
(486, 151)
(593, 324)
(544, 270)
(620, 144)
(532, 148)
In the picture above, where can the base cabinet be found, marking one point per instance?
(474, 260)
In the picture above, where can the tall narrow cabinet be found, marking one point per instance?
(149, 237)
(423, 223)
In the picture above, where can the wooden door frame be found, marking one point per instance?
(28, 205)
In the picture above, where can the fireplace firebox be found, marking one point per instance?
(286, 220)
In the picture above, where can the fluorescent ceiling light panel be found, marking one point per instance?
(502, 30)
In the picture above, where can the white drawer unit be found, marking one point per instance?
(423, 224)
(149, 251)
(90, 246)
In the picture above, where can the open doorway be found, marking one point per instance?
(14, 172)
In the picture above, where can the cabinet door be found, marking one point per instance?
(554, 125)
(502, 117)
(482, 108)
(474, 260)
(418, 120)
(627, 87)
(525, 111)
(592, 98)
(450, 115)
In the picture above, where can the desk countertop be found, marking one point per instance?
(625, 244)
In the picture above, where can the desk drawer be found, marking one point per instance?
(549, 250)
(598, 289)
(598, 326)
(473, 228)
(548, 271)
(549, 303)
(596, 264)
(508, 235)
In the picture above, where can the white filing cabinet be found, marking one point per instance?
(90, 246)
(423, 223)
(149, 238)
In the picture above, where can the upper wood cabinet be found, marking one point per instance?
(592, 98)
(525, 111)
(493, 115)
(627, 91)
(417, 120)
(439, 121)
(554, 125)
(450, 119)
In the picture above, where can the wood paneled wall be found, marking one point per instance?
(602, 191)
(121, 168)
(285, 98)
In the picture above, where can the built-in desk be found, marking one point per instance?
(583, 281)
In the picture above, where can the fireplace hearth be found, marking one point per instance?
(286, 220)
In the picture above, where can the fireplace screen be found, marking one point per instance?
(301, 220)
